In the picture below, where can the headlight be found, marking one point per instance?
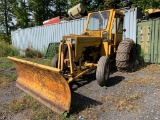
(72, 41)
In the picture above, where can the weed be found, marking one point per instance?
(133, 97)
(7, 49)
(37, 111)
(39, 61)
(4, 37)
(124, 103)
(11, 77)
(30, 52)
(35, 106)
(64, 115)
(140, 56)
(128, 103)
(150, 68)
(21, 103)
(138, 81)
(6, 73)
(42, 113)
(4, 82)
(39, 115)
(5, 63)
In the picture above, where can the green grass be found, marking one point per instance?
(46, 62)
(8, 72)
(5, 63)
(36, 110)
(7, 49)
(22, 103)
(6, 79)
(5, 75)
(41, 61)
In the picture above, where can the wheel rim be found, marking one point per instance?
(107, 72)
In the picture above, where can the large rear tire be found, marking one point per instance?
(55, 61)
(125, 55)
(103, 71)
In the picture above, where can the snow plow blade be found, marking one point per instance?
(44, 83)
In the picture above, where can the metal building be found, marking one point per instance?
(130, 22)
(39, 37)
(148, 40)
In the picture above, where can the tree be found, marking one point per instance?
(89, 4)
(41, 10)
(146, 4)
(21, 12)
(60, 7)
(118, 3)
(100, 4)
(6, 15)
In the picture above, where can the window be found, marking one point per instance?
(98, 21)
(120, 27)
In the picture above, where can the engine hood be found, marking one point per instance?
(79, 36)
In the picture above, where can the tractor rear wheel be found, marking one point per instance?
(103, 71)
(125, 55)
(55, 61)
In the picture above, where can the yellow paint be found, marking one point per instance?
(150, 11)
(45, 83)
(104, 49)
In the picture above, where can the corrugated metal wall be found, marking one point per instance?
(148, 40)
(39, 37)
(130, 21)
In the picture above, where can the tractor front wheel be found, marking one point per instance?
(103, 71)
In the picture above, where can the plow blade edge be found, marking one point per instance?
(44, 83)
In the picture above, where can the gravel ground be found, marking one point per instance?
(142, 88)
(8, 93)
(128, 96)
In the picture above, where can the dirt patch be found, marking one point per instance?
(130, 96)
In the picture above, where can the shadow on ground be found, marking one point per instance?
(86, 79)
(114, 80)
(80, 102)
(92, 76)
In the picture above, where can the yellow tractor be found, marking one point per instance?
(99, 45)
